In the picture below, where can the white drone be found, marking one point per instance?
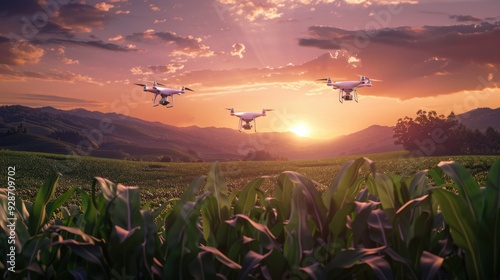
(164, 92)
(347, 87)
(248, 117)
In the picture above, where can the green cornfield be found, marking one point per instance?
(369, 221)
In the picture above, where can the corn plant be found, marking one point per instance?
(363, 226)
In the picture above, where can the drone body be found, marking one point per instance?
(160, 90)
(347, 89)
(247, 117)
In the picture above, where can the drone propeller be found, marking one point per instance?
(268, 109)
(375, 80)
(324, 79)
(142, 85)
(185, 88)
(160, 84)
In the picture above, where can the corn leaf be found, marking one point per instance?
(467, 187)
(38, 215)
(247, 197)
(345, 179)
(265, 237)
(315, 207)
(457, 214)
(430, 265)
(386, 190)
(298, 235)
(490, 222)
(418, 186)
(250, 261)
(221, 257)
(217, 185)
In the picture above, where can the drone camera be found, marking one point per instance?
(247, 126)
(164, 102)
(348, 97)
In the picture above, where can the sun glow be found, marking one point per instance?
(300, 130)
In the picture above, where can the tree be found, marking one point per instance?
(492, 140)
(425, 135)
(433, 134)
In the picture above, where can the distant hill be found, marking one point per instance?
(113, 135)
(481, 118)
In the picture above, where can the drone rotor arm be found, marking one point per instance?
(154, 100)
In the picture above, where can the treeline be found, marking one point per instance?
(430, 134)
(262, 155)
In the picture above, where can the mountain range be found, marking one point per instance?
(112, 135)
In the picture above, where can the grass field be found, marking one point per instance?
(162, 181)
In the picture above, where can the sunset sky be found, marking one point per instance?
(433, 55)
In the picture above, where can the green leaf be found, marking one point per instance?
(108, 189)
(359, 225)
(380, 226)
(430, 265)
(345, 180)
(38, 215)
(124, 234)
(127, 207)
(298, 235)
(379, 265)
(419, 185)
(457, 214)
(490, 222)
(315, 207)
(283, 193)
(467, 187)
(221, 257)
(89, 252)
(246, 198)
(338, 224)
(351, 257)
(251, 260)
(386, 189)
(202, 267)
(269, 241)
(217, 185)
(59, 201)
(193, 190)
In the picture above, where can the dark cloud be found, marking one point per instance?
(185, 45)
(16, 8)
(53, 28)
(57, 99)
(94, 44)
(27, 18)
(84, 18)
(8, 73)
(431, 59)
(19, 53)
(473, 43)
(464, 18)
(157, 69)
(44, 99)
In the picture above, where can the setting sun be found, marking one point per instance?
(300, 130)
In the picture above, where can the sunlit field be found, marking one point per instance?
(387, 220)
(160, 182)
